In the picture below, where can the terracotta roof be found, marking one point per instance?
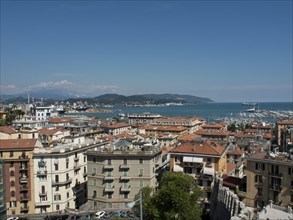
(166, 150)
(285, 122)
(212, 133)
(164, 128)
(183, 119)
(188, 137)
(236, 151)
(7, 130)
(118, 125)
(213, 126)
(261, 155)
(18, 144)
(230, 167)
(60, 120)
(242, 135)
(207, 147)
(45, 131)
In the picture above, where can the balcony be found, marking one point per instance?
(42, 173)
(125, 178)
(42, 203)
(23, 179)
(124, 166)
(276, 175)
(275, 187)
(76, 159)
(84, 174)
(108, 167)
(59, 183)
(76, 167)
(24, 198)
(24, 209)
(109, 178)
(23, 188)
(110, 189)
(23, 168)
(23, 157)
(125, 188)
(42, 193)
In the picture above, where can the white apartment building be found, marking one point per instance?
(60, 176)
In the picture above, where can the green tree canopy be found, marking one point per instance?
(176, 198)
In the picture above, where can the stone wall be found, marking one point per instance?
(226, 205)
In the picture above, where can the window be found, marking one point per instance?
(125, 161)
(259, 191)
(43, 189)
(290, 170)
(259, 166)
(275, 169)
(109, 162)
(57, 197)
(12, 204)
(140, 161)
(12, 173)
(67, 195)
(209, 159)
(57, 207)
(57, 178)
(141, 183)
(67, 164)
(94, 159)
(12, 193)
(84, 159)
(12, 183)
(11, 154)
(109, 196)
(56, 166)
(125, 195)
(94, 194)
(11, 164)
(140, 172)
(258, 178)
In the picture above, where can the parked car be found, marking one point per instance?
(130, 214)
(108, 215)
(100, 214)
(89, 215)
(123, 214)
(13, 218)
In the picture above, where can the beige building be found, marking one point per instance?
(269, 177)
(284, 134)
(19, 179)
(118, 172)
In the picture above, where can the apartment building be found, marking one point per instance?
(17, 155)
(117, 172)
(193, 124)
(144, 118)
(285, 135)
(157, 130)
(116, 129)
(60, 175)
(269, 177)
(201, 159)
(2, 190)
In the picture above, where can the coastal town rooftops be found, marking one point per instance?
(46, 131)
(16, 144)
(7, 130)
(164, 128)
(60, 120)
(213, 126)
(212, 132)
(200, 147)
(181, 119)
(270, 157)
(188, 137)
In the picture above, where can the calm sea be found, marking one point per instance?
(209, 111)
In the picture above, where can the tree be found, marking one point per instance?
(176, 198)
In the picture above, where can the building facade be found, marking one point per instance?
(119, 171)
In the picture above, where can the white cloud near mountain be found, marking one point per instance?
(80, 89)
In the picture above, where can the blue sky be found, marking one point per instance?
(223, 50)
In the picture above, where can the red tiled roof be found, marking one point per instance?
(212, 133)
(285, 122)
(7, 130)
(60, 120)
(188, 137)
(213, 126)
(118, 125)
(164, 128)
(45, 131)
(208, 147)
(230, 167)
(236, 151)
(18, 144)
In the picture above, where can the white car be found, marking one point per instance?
(13, 218)
(100, 214)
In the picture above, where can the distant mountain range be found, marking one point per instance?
(61, 95)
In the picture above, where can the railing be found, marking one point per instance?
(275, 187)
(278, 175)
(76, 159)
(23, 168)
(110, 189)
(23, 157)
(124, 166)
(24, 209)
(125, 178)
(23, 179)
(108, 167)
(42, 203)
(24, 198)
(125, 188)
(109, 177)
(54, 183)
(42, 173)
(77, 167)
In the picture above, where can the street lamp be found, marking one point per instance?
(131, 204)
